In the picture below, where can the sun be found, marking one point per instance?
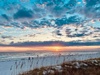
(56, 48)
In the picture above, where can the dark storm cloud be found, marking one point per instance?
(49, 43)
(23, 13)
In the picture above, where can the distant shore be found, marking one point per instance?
(85, 67)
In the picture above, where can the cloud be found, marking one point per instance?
(5, 16)
(90, 3)
(62, 11)
(92, 8)
(58, 33)
(76, 35)
(51, 13)
(74, 19)
(5, 37)
(71, 4)
(23, 13)
(50, 43)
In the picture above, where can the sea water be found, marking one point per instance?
(19, 55)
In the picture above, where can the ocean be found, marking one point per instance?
(20, 55)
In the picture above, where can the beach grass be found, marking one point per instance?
(85, 67)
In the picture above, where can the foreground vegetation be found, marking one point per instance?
(86, 67)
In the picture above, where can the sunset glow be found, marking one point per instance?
(57, 48)
(49, 48)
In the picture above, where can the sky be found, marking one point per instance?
(47, 22)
